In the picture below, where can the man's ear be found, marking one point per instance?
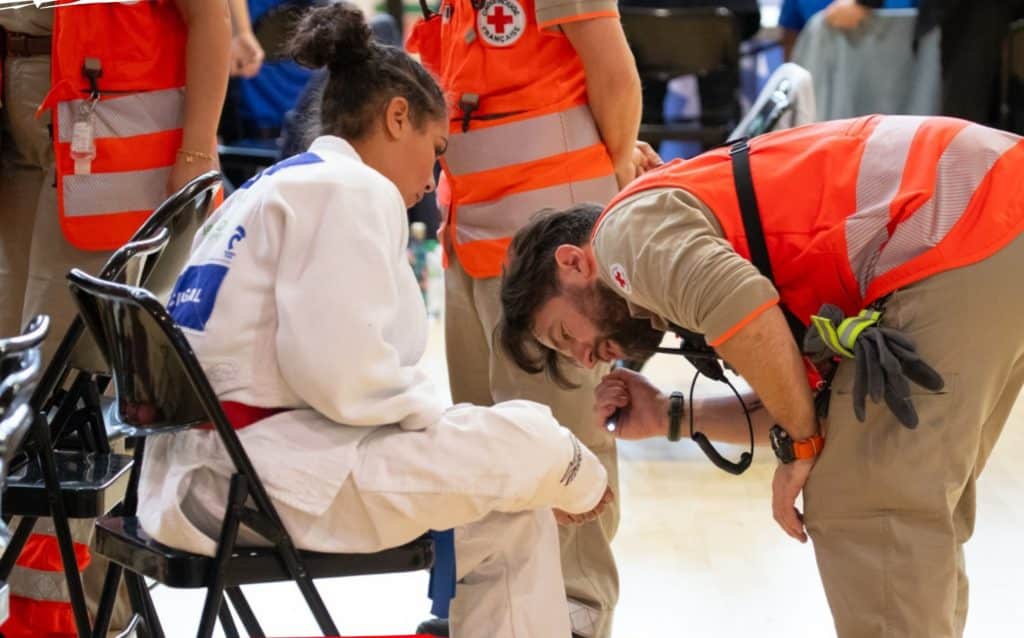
(574, 264)
(396, 118)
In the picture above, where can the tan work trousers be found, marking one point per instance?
(34, 256)
(890, 508)
(479, 373)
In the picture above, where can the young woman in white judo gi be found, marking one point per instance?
(300, 303)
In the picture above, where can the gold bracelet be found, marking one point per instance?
(191, 156)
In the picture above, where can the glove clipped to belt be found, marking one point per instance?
(885, 359)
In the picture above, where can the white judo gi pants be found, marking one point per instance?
(508, 566)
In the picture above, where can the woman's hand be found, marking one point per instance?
(185, 171)
(643, 408)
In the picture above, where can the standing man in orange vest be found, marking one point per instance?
(899, 240)
(106, 109)
(545, 107)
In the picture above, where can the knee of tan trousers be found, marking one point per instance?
(467, 348)
(510, 583)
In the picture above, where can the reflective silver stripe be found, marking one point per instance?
(136, 114)
(961, 169)
(107, 193)
(878, 181)
(38, 585)
(46, 585)
(503, 217)
(505, 145)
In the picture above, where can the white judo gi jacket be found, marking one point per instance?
(298, 294)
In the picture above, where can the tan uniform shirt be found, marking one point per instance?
(550, 13)
(31, 21)
(665, 253)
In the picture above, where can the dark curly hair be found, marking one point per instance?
(530, 279)
(363, 76)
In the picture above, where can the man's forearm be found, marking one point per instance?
(764, 353)
(721, 419)
(206, 76)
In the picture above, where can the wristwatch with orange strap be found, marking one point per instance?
(787, 450)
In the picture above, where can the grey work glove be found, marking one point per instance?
(886, 361)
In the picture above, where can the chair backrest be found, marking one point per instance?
(179, 218)
(160, 385)
(34, 334)
(786, 100)
(680, 41)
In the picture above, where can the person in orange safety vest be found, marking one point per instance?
(544, 99)
(107, 109)
(890, 247)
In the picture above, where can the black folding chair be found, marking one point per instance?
(90, 478)
(19, 372)
(778, 98)
(682, 41)
(154, 368)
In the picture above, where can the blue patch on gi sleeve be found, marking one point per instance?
(195, 294)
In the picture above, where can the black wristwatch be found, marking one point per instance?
(676, 407)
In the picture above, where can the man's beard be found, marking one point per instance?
(637, 339)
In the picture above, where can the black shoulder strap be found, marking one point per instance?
(751, 215)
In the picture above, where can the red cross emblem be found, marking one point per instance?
(499, 20)
(620, 278)
(501, 23)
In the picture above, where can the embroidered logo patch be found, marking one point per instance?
(501, 22)
(621, 279)
(574, 464)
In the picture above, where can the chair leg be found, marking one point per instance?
(142, 604)
(241, 605)
(61, 527)
(227, 623)
(17, 544)
(107, 599)
(237, 495)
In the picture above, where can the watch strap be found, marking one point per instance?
(676, 407)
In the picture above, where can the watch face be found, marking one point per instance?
(782, 445)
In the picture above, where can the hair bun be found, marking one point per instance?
(335, 36)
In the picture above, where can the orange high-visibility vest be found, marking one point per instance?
(137, 121)
(39, 605)
(855, 209)
(522, 137)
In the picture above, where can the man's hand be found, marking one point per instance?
(644, 408)
(565, 518)
(246, 55)
(787, 484)
(845, 14)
